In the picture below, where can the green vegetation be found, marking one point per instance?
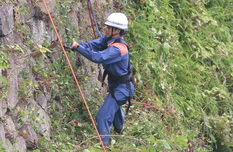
(185, 49)
(182, 54)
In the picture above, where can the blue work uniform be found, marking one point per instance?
(115, 59)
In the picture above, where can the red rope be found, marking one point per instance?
(91, 19)
(146, 104)
(74, 76)
(92, 26)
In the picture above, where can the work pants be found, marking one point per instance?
(109, 113)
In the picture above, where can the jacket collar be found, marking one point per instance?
(113, 39)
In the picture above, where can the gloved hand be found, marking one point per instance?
(71, 45)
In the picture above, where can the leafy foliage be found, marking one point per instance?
(182, 57)
(184, 51)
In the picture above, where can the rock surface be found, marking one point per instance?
(25, 103)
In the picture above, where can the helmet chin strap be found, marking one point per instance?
(110, 37)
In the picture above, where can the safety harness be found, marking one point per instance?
(121, 79)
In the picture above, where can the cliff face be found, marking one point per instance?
(24, 31)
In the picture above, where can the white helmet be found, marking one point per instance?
(117, 20)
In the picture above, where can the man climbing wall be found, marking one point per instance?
(112, 52)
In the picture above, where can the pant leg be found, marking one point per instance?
(105, 117)
(119, 119)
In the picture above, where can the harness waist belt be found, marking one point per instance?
(120, 79)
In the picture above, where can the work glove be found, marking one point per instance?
(71, 45)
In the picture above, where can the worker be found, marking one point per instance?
(112, 52)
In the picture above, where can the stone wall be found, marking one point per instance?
(17, 131)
